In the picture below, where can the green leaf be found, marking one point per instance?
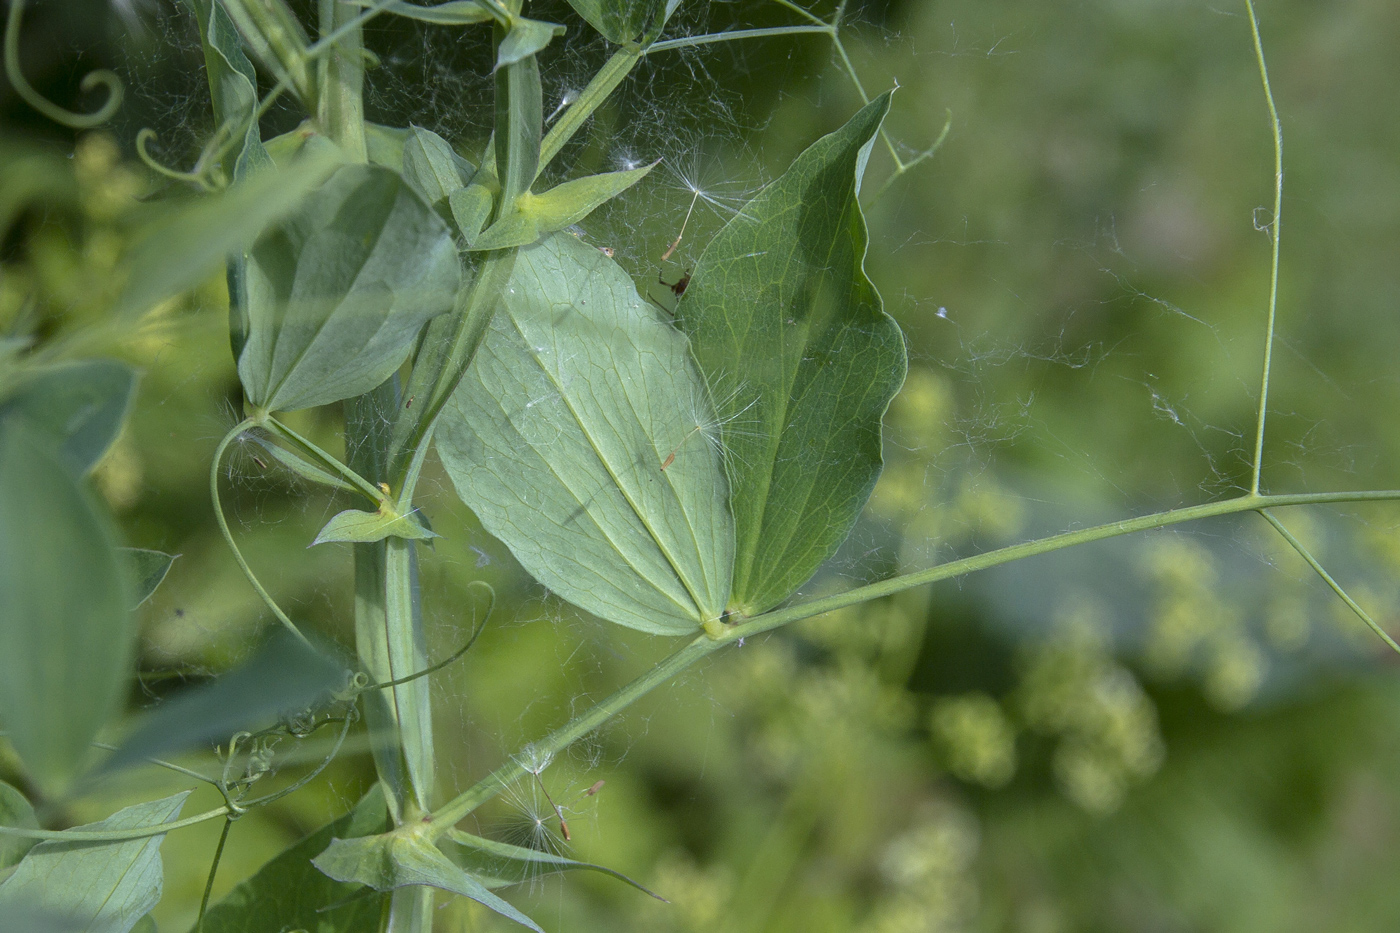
(385, 144)
(471, 209)
(146, 924)
(802, 362)
(363, 527)
(497, 864)
(66, 636)
(188, 244)
(452, 13)
(289, 893)
(396, 860)
(303, 468)
(147, 569)
(337, 293)
(524, 38)
(95, 887)
(275, 36)
(79, 407)
(558, 435)
(283, 677)
(15, 811)
(620, 21)
(432, 167)
(535, 215)
(233, 84)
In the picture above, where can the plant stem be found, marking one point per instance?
(449, 346)
(444, 817)
(112, 835)
(686, 42)
(213, 869)
(228, 535)
(340, 104)
(1258, 465)
(375, 494)
(598, 90)
(704, 645)
(1336, 587)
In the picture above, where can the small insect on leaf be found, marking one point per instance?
(679, 286)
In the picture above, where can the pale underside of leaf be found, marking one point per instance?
(395, 860)
(558, 436)
(95, 887)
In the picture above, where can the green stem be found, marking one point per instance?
(701, 647)
(1258, 465)
(804, 13)
(228, 535)
(444, 817)
(340, 102)
(375, 494)
(686, 42)
(112, 835)
(598, 90)
(1245, 503)
(27, 93)
(1336, 587)
(209, 882)
(437, 371)
(928, 153)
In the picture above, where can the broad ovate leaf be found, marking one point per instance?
(66, 636)
(289, 893)
(396, 860)
(802, 362)
(94, 887)
(582, 438)
(79, 406)
(335, 295)
(619, 20)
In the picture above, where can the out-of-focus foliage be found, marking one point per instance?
(1174, 732)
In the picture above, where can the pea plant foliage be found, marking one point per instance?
(679, 472)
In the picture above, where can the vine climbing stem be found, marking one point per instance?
(704, 645)
(1257, 467)
(238, 557)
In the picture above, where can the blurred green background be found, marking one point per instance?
(1180, 731)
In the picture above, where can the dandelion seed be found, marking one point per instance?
(570, 96)
(679, 236)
